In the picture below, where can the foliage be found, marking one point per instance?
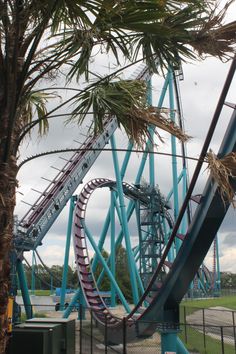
(41, 40)
(105, 283)
(122, 275)
(44, 279)
(222, 171)
(228, 280)
(126, 100)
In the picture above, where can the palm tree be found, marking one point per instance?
(39, 38)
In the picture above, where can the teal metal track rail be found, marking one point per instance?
(41, 216)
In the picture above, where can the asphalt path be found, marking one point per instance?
(218, 322)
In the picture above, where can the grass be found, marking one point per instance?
(225, 301)
(195, 342)
(38, 315)
(39, 292)
(195, 339)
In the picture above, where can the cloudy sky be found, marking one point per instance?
(200, 90)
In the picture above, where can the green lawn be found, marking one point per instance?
(195, 339)
(39, 292)
(195, 343)
(225, 301)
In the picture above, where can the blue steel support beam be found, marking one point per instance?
(24, 289)
(218, 278)
(131, 204)
(113, 250)
(67, 251)
(173, 150)
(33, 274)
(168, 341)
(204, 226)
(125, 227)
(105, 266)
(184, 190)
(107, 220)
(169, 195)
(74, 301)
(115, 247)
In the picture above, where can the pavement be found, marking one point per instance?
(215, 318)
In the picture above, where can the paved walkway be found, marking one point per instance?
(215, 318)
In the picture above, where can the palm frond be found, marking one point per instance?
(34, 106)
(213, 37)
(222, 171)
(127, 101)
(168, 30)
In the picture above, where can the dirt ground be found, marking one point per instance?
(147, 346)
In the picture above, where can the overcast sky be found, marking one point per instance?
(200, 90)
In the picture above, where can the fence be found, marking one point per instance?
(93, 341)
(208, 331)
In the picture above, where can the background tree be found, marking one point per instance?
(121, 275)
(105, 283)
(38, 38)
(228, 280)
(44, 277)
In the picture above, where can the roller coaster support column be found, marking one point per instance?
(125, 228)
(67, 251)
(73, 303)
(24, 289)
(104, 232)
(184, 191)
(151, 155)
(173, 149)
(170, 343)
(107, 221)
(218, 280)
(113, 250)
(131, 205)
(151, 170)
(33, 273)
(105, 266)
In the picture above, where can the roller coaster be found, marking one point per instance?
(172, 241)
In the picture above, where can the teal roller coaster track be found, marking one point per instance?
(172, 244)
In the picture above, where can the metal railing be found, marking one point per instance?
(200, 334)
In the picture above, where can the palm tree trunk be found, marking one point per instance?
(8, 173)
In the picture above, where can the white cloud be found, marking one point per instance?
(200, 92)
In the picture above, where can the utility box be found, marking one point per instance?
(68, 332)
(38, 338)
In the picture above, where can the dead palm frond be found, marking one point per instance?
(213, 37)
(127, 101)
(222, 171)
